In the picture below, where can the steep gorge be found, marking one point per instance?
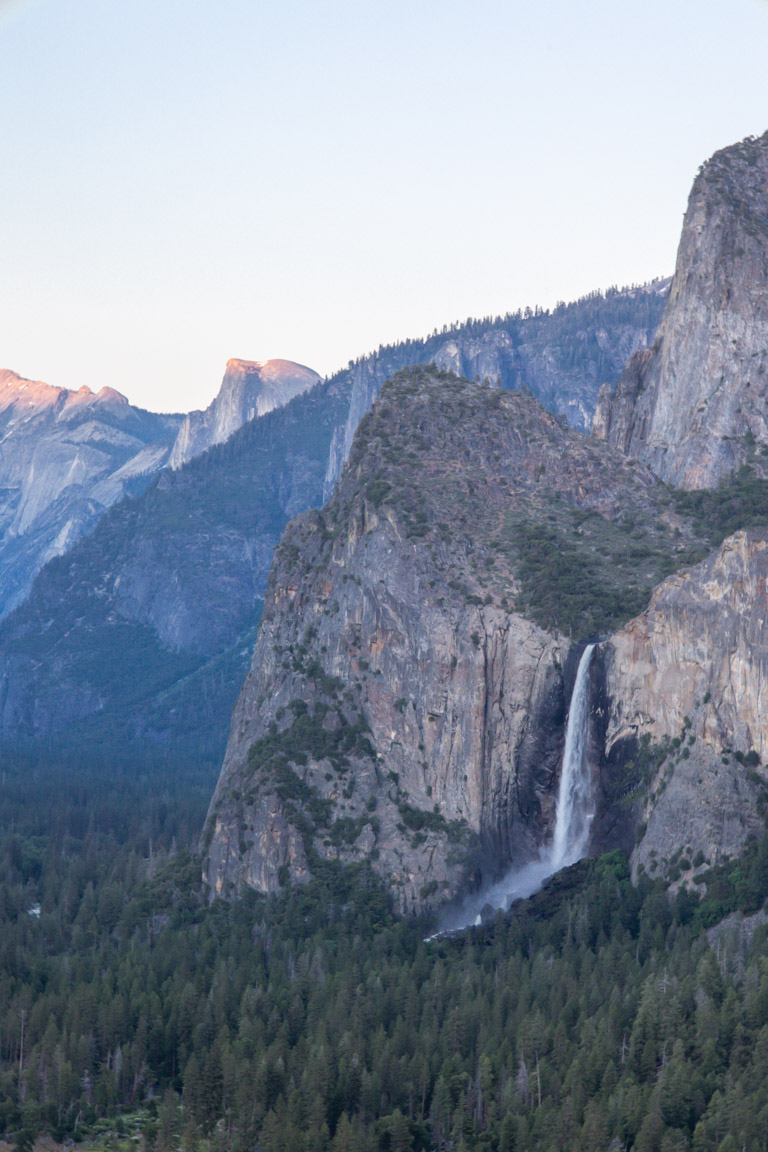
(139, 637)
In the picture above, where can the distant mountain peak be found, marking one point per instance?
(265, 367)
(16, 389)
(249, 388)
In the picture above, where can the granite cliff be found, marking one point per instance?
(249, 389)
(685, 686)
(694, 406)
(65, 457)
(408, 690)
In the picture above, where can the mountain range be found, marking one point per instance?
(431, 537)
(173, 580)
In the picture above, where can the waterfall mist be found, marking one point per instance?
(573, 817)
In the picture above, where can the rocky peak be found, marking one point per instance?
(16, 392)
(173, 581)
(694, 406)
(250, 388)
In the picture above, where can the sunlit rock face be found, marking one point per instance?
(693, 669)
(694, 406)
(64, 458)
(250, 388)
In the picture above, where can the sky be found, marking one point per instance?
(184, 181)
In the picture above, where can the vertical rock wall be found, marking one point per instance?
(694, 406)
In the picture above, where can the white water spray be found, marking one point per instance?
(573, 816)
(575, 799)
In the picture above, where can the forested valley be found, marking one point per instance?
(136, 1014)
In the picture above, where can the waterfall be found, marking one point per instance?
(575, 801)
(574, 814)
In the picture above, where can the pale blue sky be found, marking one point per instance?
(189, 180)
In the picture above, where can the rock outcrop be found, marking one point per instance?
(65, 457)
(687, 700)
(403, 706)
(250, 388)
(694, 405)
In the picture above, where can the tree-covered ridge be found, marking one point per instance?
(595, 1013)
(584, 339)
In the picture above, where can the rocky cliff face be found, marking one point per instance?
(689, 676)
(249, 389)
(695, 405)
(403, 706)
(562, 357)
(65, 457)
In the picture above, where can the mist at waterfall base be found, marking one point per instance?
(573, 820)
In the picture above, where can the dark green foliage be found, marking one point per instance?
(586, 575)
(309, 736)
(739, 887)
(595, 1013)
(421, 820)
(739, 502)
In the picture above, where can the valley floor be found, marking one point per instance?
(595, 1014)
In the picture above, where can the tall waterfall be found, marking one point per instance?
(575, 799)
(573, 816)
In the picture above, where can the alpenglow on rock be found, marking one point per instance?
(694, 406)
(407, 695)
(250, 388)
(65, 457)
